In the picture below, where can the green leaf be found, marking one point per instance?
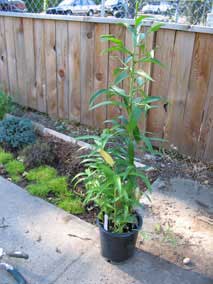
(144, 74)
(112, 38)
(151, 99)
(122, 76)
(155, 27)
(118, 91)
(151, 60)
(139, 20)
(117, 48)
(97, 94)
(115, 103)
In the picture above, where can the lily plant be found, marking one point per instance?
(111, 177)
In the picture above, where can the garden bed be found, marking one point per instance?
(170, 164)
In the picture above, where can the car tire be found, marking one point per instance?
(69, 12)
(90, 13)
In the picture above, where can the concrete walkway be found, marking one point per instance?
(42, 230)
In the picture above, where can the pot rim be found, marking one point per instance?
(123, 235)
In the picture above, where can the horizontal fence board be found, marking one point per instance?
(54, 65)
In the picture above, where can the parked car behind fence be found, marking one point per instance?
(71, 7)
(12, 6)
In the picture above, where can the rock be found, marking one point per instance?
(186, 260)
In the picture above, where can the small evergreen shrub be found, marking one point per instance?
(14, 169)
(73, 206)
(41, 174)
(38, 154)
(5, 157)
(17, 132)
(5, 104)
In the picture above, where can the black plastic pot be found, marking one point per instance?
(118, 247)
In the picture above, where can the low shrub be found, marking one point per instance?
(14, 169)
(38, 154)
(73, 206)
(16, 132)
(57, 186)
(41, 174)
(5, 157)
(5, 104)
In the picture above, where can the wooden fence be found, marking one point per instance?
(53, 65)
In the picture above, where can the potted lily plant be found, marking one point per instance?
(111, 177)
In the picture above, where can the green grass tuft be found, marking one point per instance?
(15, 168)
(73, 206)
(16, 178)
(56, 186)
(37, 189)
(5, 157)
(41, 174)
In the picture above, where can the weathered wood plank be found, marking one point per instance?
(62, 69)
(11, 56)
(156, 119)
(87, 71)
(4, 80)
(40, 65)
(100, 71)
(178, 86)
(50, 67)
(205, 147)
(197, 93)
(30, 72)
(20, 60)
(74, 37)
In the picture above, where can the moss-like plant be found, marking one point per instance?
(5, 157)
(14, 169)
(73, 206)
(41, 174)
(57, 186)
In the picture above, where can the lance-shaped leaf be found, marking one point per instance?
(155, 27)
(97, 94)
(122, 76)
(144, 74)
